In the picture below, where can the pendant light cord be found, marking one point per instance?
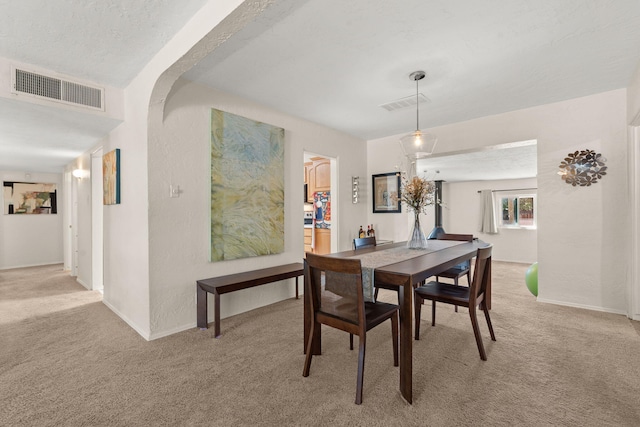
(417, 108)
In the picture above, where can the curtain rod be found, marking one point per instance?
(511, 189)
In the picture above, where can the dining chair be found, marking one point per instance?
(471, 297)
(462, 269)
(334, 286)
(364, 242)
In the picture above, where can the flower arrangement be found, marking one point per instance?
(417, 193)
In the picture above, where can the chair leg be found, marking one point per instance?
(350, 341)
(363, 341)
(455, 282)
(375, 294)
(307, 359)
(433, 313)
(486, 316)
(476, 332)
(417, 304)
(394, 337)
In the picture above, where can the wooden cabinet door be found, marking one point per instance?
(307, 239)
(323, 241)
(322, 175)
(307, 168)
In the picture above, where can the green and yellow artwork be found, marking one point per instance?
(247, 187)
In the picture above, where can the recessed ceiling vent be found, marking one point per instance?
(56, 89)
(409, 101)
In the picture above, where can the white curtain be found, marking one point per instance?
(488, 224)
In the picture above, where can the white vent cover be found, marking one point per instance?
(408, 101)
(56, 89)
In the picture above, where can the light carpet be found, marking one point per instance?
(67, 360)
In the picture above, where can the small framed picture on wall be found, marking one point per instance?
(386, 193)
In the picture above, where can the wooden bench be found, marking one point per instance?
(234, 282)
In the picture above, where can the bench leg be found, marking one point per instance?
(201, 308)
(216, 305)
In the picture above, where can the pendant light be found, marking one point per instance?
(418, 144)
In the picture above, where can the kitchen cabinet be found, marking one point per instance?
(317, 176)
(308, 167)
(307, 239)
(321, 174)
(323, 241)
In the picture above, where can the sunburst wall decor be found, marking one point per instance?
(582, 168)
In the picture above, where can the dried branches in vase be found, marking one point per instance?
(417, 193)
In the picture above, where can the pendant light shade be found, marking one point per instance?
(418, 144)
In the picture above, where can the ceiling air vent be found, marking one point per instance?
(409, 101)
(56, 89)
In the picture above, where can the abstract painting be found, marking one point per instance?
(247, 187)
(111, 177)
(29, 198)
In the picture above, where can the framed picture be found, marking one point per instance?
(386, 193)
(111, 177)
(29, 198)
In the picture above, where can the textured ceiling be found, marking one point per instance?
(334, 62)
(104, 41)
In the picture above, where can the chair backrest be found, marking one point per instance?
(481, 274)
(335, 287)
(459, 237)
(364, 242)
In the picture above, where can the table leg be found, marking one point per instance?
(296, 287)
(216, 306)
(201, 307)
(406, 343)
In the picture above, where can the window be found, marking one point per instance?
(517, 211)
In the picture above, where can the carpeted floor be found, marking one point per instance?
(67, 360)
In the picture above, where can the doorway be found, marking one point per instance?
(320, 178)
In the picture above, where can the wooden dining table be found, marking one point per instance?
(404, 276)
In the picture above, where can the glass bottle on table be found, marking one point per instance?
(361, 232)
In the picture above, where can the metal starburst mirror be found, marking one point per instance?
(582, 168)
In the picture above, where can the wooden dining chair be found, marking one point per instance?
(462, 269)
(364, 242)
(470, 297)
(334, 286)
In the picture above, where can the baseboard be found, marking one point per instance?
(31, 265)
(144, 334)
(162, 334)
(586, 307)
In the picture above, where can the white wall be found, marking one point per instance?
(179, 228)
(27, 240)
(583, 232)
(462, 214)
(384, 156)
(126, 226)
(633, 118)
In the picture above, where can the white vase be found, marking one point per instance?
(417, 239)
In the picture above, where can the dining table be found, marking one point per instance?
(394, 266)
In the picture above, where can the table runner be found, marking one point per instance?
(379, 258)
